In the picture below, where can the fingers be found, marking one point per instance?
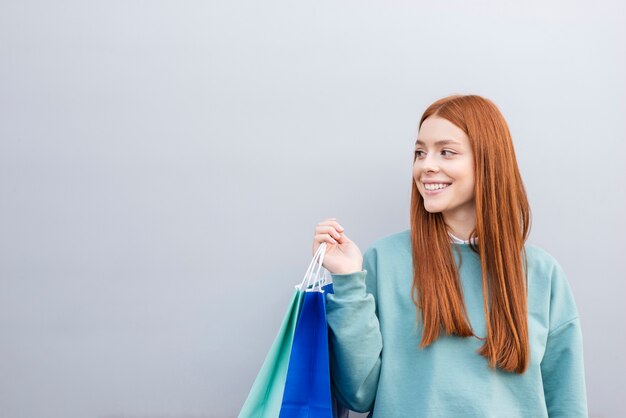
(329, 225)
(329, 231)
(319, 238)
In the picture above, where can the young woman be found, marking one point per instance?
(456, 316)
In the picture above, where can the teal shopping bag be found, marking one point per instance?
(265, 397)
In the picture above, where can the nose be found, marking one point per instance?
(429, 164)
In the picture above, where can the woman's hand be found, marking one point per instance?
(342, 256)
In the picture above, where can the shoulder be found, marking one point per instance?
(384, 256)
(541, 261)
(539, 254)
(550, 280)
(394, 243)
(388, 250)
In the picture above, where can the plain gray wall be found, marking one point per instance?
(163, 166)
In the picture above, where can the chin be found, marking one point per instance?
(433, 210)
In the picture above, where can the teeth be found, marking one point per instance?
(435, 186)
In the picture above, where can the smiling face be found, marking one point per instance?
(443, 155)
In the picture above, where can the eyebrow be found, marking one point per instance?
(440, 142)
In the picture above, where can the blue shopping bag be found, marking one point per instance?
(307, 392)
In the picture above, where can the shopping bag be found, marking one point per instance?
(266, 395)
(265, 398)
(307, 392)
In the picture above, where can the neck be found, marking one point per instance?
(461, 223)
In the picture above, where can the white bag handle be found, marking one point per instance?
(310, 275)
(319, 266)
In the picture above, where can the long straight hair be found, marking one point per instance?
(502, 226)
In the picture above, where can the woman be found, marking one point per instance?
(456, 316)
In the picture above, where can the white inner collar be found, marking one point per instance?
(459, 240)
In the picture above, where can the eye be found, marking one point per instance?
(450, 153)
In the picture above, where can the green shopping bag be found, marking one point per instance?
(265, 397)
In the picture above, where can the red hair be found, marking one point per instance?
(502, 225)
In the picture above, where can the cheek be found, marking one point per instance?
(464, 180)
(467, 188)
(463, 173)
(416, 170)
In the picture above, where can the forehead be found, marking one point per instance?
(439, 131)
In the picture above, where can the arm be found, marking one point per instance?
(355, 339)
(562, 366)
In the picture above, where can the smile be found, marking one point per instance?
(433, 189)
(431, 186)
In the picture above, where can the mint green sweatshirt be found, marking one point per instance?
(376, 364)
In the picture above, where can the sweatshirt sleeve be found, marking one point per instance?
(355, 340)
(562, 366)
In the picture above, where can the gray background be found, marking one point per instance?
(163, 166)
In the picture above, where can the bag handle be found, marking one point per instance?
(317, 275)
(319, 254)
